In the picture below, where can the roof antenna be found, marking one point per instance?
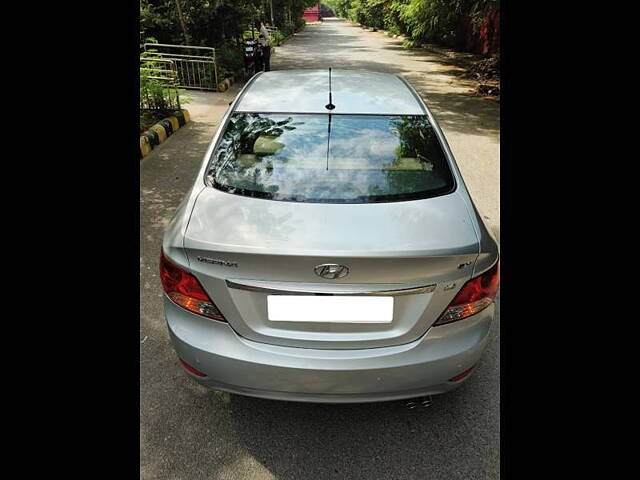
(330, 105)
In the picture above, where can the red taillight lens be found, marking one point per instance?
(191, 369)
(185, 290)
(476, 295)
(461, 375)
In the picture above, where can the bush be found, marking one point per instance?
(156, 94)
(277, 38)
(230, 60)
(326, 10)
(410, 44)
(299, 24)
(420, 20)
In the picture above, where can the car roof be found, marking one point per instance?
(307, 91)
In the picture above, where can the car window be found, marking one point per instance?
(330, 158)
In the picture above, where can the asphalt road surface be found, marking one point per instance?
(189, 432)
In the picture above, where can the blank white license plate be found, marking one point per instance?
(336, 309)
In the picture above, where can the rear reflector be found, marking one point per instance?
(474, 296)
(190, 369)
(185, 290)
(460, 376)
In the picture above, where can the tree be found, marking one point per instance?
(182, 24)
(419, 20)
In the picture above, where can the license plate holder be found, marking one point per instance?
(330, 308)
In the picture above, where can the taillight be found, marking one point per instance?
(185, 290)
(461, 375)
(191, 369)
(476, 295)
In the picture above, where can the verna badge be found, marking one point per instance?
(331, 271)
(216, 261)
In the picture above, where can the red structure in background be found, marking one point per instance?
(312, 14)
(483, 38)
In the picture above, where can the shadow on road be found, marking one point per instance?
(433, 76)
(460, 114)
(384, 440)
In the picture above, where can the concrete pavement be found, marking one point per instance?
(188, 432)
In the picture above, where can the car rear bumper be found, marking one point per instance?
(234, 364)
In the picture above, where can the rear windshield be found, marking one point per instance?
(330, 158)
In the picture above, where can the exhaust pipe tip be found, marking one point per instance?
(422, 402)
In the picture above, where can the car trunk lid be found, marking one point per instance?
(244, 249)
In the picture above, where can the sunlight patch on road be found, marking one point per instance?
(246, 463)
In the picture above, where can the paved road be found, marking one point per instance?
(188, 432)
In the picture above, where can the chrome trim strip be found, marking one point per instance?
(274, 291)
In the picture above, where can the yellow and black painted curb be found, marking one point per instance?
(227, 82)
(159, 132)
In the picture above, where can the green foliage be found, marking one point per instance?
(230, 60)
(217, 23)
(277, 37)
(393, 20)
(410, 44)
(326, 10)
(419, 20)
(157, 94)
(340, 7)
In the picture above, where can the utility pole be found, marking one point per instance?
(182, 23)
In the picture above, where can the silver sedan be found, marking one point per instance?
(328, 250)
